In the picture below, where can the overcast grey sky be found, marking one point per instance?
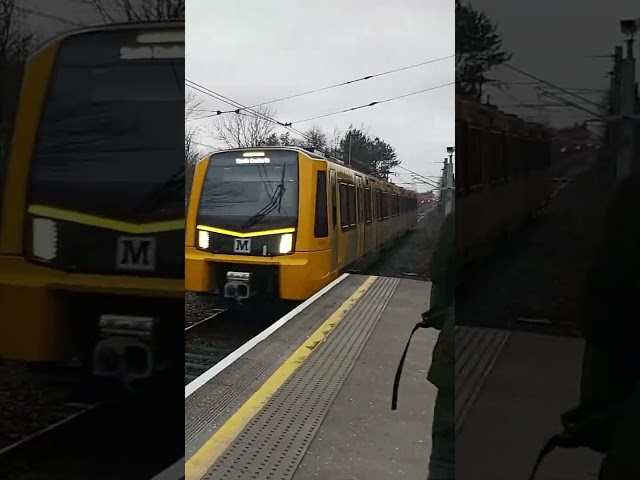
(552, 39)
(255, 51)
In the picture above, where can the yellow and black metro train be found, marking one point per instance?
(503, 176)
(91, 220)
(282, 222)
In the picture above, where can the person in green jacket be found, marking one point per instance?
(442, 370)
(441, 316)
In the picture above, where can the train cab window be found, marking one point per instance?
(367, 205)
(321, 227)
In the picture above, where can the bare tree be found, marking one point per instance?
(245, 129)
(15, 45)
(315, 139)
(191, 154)
(191, 106)
(114, 11)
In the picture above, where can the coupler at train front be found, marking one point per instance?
(251, 282)
(115, 329)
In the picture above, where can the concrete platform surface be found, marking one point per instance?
(361, 438)
(534, 380)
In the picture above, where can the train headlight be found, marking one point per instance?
(203, 239)
(286, 243)
(44, 244)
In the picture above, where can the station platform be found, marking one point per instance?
(310, 398)
(511, 388)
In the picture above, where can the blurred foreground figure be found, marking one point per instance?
(442, 370)
(441, 316)
(608, 417)
(611, 329)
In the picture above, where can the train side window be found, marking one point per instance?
(334, 202)
(321, 227)
(385, 205)
(367, 205)
(344, 206)
(474, 164)
(352, 205)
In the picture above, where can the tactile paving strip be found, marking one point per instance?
(276, 439)
(477, 350)
(211, 404)
(203, 411)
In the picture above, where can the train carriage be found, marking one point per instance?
(283, 222)
(91, 224)
(502, 176)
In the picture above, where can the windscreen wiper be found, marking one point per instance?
(275, 202)
(176, 181)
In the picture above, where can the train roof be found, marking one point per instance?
(314, 155)
(112, 27)
(491, 118)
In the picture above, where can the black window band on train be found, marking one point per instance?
(245, 193)
(367, 205)
(345, 212)
(110, 128)
(321, 225)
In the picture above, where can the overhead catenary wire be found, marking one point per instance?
(372, 104)
(350, 82)
(288, 126)
(229, 101)
(341, 84)
(262, 116)
(424, 178)
(48, 16)
(561, 89)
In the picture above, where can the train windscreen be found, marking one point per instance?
(244, 193)
(111, 128)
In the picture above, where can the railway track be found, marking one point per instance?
(213, 333)
(201, 351)
(103, 443)
(66, 413)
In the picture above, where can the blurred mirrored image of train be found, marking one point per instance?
(91, 218)
(281, 223)
(503, 176)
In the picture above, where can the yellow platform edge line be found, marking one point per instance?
(196, 467)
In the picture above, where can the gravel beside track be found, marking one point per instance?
(115, 442)
(535, 282)
(410, 257)
(34, 398)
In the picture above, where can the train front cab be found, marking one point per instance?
(334, 216)
(233, 250)
(80, 266)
